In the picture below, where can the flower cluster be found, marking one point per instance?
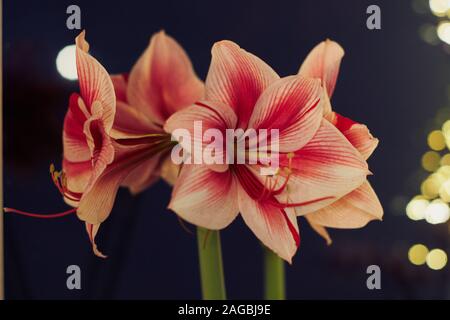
(118, 132)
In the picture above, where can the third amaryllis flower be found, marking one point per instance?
(319, 165)
(357, 208)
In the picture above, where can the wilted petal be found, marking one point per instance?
(276, 228)
(163, 81)
(95, 82)
(328, 166)
(237, 78)
(291, 105)
(354, 210)
(204, 197)
(358, 134)
(323, 62)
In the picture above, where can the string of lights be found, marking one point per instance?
(432, 204)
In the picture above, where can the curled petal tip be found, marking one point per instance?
(81, 42)
(98, 253)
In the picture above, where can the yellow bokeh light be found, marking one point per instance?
(444, 191)
(430, 186)
(436, 140)
(439, 7)
(446, 126)
(436, 259)
(437, 212)
(443, 31)
(430, 161)
(415, 210)
(417, 254)
(444, 171)
(445, 160)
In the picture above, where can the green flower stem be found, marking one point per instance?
(274, 277)
(211, 268)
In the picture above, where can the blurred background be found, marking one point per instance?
(396, 80)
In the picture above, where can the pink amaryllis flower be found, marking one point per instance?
(356, 209)
(113, 132)
(161, 82)
(242, 91)
(87, 178)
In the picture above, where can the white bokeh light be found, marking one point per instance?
(66, 63)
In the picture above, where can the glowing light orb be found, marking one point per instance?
(417, 254)
(436, 259)
(66, 63)
(415, 210)
(436, 140)
(430, 161)
(443, 31)
(437, 212)
(439, 7)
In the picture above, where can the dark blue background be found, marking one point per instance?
(390, 80)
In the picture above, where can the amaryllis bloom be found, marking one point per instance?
(113, 131)
(88, 178)
(161, 82)
(242, 91)
(93, 164)
(356, 209)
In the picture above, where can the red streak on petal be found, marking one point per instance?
(294, 232)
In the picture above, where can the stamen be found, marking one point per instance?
(41, 215)
(60, 181)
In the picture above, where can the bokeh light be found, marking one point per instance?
(437, 212)
(417, 254)
(66, 63)
(428, 34)
(440, 7)
(436, 140)
(436, 259)
(415, 210)
(443, 31)
(431, 161)
(445, 160)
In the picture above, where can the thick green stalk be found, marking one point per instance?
(211, 268)
(274, 278)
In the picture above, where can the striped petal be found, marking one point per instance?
(327, 167)
(354, 210)
(237, 78)
(204, 197)
(276, 228)
(358, 134)
(323, 62)
(163, 81)
(95, 82)
(291, 105)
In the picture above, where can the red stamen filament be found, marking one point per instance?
(41, 215)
